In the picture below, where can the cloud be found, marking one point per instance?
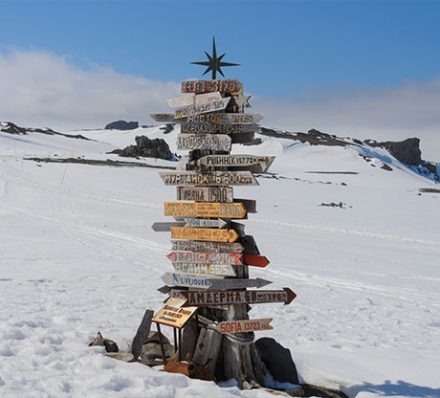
(38, 88)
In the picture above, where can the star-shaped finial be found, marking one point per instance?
(214, 63)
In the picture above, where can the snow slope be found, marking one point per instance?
(78, 256)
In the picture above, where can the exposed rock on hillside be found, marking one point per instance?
(407, 151)
(11, 128)
(156, 148)
(122, 125)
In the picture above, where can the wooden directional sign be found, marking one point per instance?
(218, 247)
(173, 316)
(205, 257)
(223, 284)
(213, 106)
(204, 223)
(204, 209)
(247, 325)
(205, 269)
(213, 178)
(188, 100)
(166, 226)
(233, 161)
(255, 260)
(217, 128)
(239, 118)
(206, 194)
(209, 86)
(204, 234)
(186, 280)
(215, 142)
(230, 297)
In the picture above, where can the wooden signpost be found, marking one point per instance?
(174, 316)
(206, 257)
(196, 246)
(191, 110)
(206, 194)
(204, 234)
(217, 128)
(234, 161)
(218, 118)
(189, 100)
(217, 142)
(209, 86)
(204, 209)
(235, 297)
(205, 269)
(244, 326)
(214, 178)
(205, 223)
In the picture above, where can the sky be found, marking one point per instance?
(368, 69)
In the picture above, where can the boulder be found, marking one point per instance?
(122, 125)
(278, 360)
(406, 151)
(151, 353)
(145, 147)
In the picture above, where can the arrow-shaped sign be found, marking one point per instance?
(255, 260)
(223, 284)
(191, 110)
(243, 326)
(205, 223)
(218, 247)
(205, 257)
(258, 164)
(204, 209)
(166, 226)
(215, 142)
(210, 298)
(218, 128)
(188, 100)
(205, 234)
(212, 178)
(205, 269)
(209, 86)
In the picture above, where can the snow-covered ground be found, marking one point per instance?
(77, 256)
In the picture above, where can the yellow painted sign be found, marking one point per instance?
(205, 209)
(205, 234)
(174, 316)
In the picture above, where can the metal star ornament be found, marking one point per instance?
(214, 63)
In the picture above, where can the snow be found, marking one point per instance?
(78, 256)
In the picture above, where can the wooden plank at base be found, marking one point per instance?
(206, 194)
(175, 317)
(209, 86)
(244, 326)
(234, 297)
(204, 209)
(205, 257)
(204, 234)
(215, 142)
(205, 269)
(218, 247)
(213, 178)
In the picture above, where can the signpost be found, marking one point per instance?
(206, 194)
(244, 326)
(217, 142)
(166, 226)
(233, 118)
(214, 178)
(234, 161)
(196, 246)
(209, 86)
(236, 297)
(204, 223)
(204, 234)
(191, 110)
(217, 128)
(206, 257)
(204, 209)
(188, 100)
(174, 316)
(205, 269)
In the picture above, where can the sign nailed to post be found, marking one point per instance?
(204, 234)
(247, 325)
(218, 247)
(214, 178)
(213, 161)
(209, 86)
(205, 269)
(173, 316)
(188, 100)
(217, 128)
(217, 142)
(205, 258)
(206, 194)
(204, 209)
(190, 110)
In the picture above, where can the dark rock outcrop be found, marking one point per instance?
(122, 125)
(155, 148)
(11, 128)
(407, 151)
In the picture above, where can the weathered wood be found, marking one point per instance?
(209, 86)
(166, 226)
(206, 194)
(191, 110)
(205, 257)
(204, 209)
(205, 269)
(233, 297)
(239, 118)
(204, 234)
(217, 128)
(186, 280)
(250, 247)
(247, 325)
(218, 247)
(142, 331)
(205, 223)
(172, 316)
(233, 161)
(213, 178)
(223, 284)
(215, 142)
(188, 100)
(250, 204)
(208, 348)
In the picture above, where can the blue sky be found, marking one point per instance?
(365, 68)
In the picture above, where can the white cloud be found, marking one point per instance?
(42, 89)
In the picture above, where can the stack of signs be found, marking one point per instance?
(210, 252)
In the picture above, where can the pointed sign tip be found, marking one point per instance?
(290, 295)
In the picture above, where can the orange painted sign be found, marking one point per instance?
(205, 234)
(248, 325)
(205, 209)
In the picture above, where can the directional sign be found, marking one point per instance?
(218, 247)
(174, 279)
(204, 223)
(206, 194)
(223, 284)
(193, 100)
(215, 142)
(247, 325)
(255, 260)
(213, 106)
(205, 257)
(217, 128)
(205, 269)
(166, 226)
(213, 178)
(209, 86)
(204, 209)
(204, 234)
(173, 316)
(233, 161)
(232, 118)
(231, 297)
